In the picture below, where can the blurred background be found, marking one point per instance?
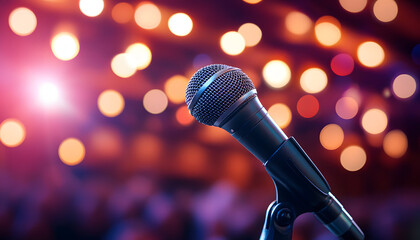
(97, 142)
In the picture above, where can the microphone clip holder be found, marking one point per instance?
(278, 224)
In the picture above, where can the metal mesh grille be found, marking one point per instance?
(220, 95)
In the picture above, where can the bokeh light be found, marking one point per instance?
(175, 88)
(353, 158)
(91, 8)
(147, 149)
(307, 106)
(22, 21)
(281, 114)
(353, 6)
(147, 15)
(12, 132)
(346, 107)
(105, 143)
(404, 86)
(183, 116)
(180, 24)
(111, 103)
(327, 31)
(232, 43)
(71, 151)
(155, 101)
(124, 65)
(342, 64)
(374, 121)
(385, 10)
(48, 94)
(276, 73)
(370, 54)
(252, 1)
(65, 46)
(313, 80)
(122, 12)
(251, 33)
(395, 143)
(331, 136)
(298, 23)
(139, 55)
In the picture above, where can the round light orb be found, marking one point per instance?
(281, 114)
(298, 23)
(327, 31)
(71, 151)
(374, 121)
(180, 24)
(12, 132)
(124, 65)
(404, 86)
(251, 33)
(175, 88)
(346, 108)
(370, 54)
(122, 12)
(91, 8)
(353, 6)
(395, 143)
(65, 46)
(353, 158)
(313, 80)
(22, 21)
(147, 15)
(232, 43)
(111, 103)
(342, 64)
(331, 136)
(252, 1)
(385, 10)
(139, 55)
(276, 74)
(307, 106)
(155, 101)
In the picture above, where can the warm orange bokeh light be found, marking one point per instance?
(385, 10)
(140, 55)
(395, 143)
(404, 86)
(353, 6)
(281, 114)
(147, 15)
(327, 31)
(183, 116)
(251, 33)
(374, 121)
(22, 21)
(298, 23)
(175, 88)
(331, 136)
(307, 106)
(12, 132)
(180, 24)
(155, 101)
(353, 158)
(122, 12)
(346, 107)
(71, 151)
(111, 103)
(313, 80)
(91, 8)
(370, 54)
(276, 74)
(232, 43)
(65, 46)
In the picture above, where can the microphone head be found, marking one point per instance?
(213, 89)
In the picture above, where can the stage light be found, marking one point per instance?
(183, 116)
(404, 86)
(346, 107)
(395, 143)
(232, 43)
(342, 64)
(307, 106)
(180, 24)
(12, 132)
(175, 88)
(252, 1)
(276, 74)
(122, 12)
(298, 23)
(353, 158)
(385, 10)
(370, 54)
(251, 33)
(22, 21)
(327, 31)
(353, 6)
(331, 136)
(124, 65)
(111, 103)
(281, 114)
(139, 55)
(313, 80)
(147, 15)
(49, 94)
(374, 121)
(71, 151)
(91, 8)
(65, 46)
(155, 101)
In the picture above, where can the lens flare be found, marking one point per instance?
(12, 132)
(331, 136)
(155, 101)
(147, 15)
(111, 103)
(370, 54)
(395, 143)
(313, 80)
(65, 46)
(374, 121)
(276, 74)
(232, 43)
(404, 86)
(139, 55)
(91, 8)
(353, 158)
(22, 21)
(251, 33)
(48, 94)
(298, 23)
(281, 114)
(385, 10)
(71, 151)
(180, 24)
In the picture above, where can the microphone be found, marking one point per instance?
(223, 96)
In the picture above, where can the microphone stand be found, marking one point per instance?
(278, 224)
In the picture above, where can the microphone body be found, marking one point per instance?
(299, 184)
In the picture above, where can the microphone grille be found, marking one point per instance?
(224, 91)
